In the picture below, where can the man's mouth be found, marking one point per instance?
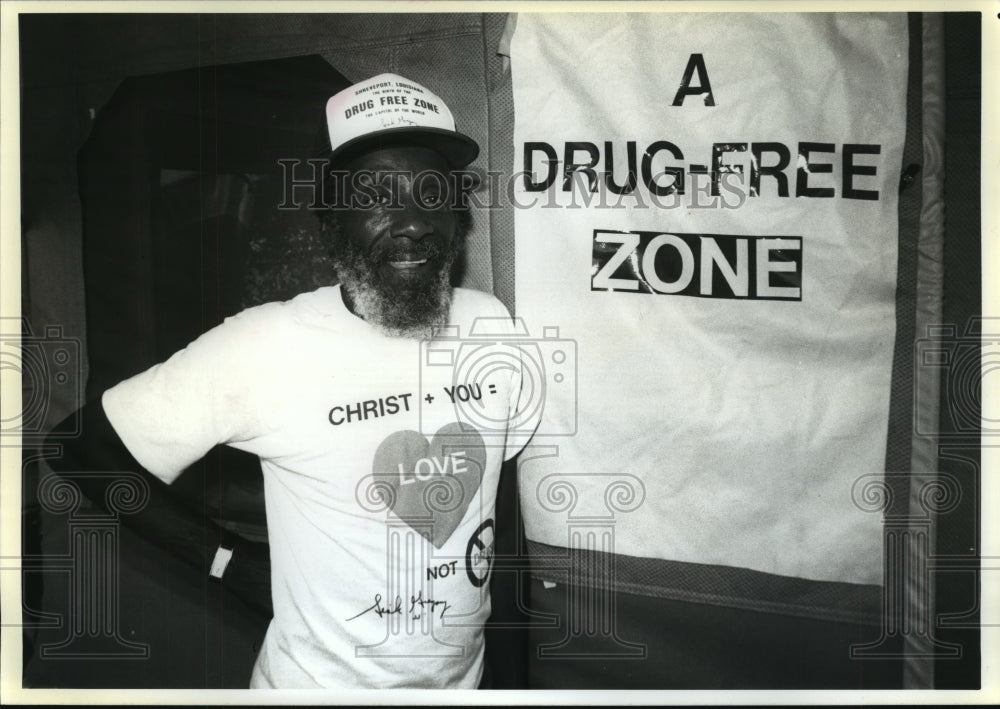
(412, 259)
(407, 263)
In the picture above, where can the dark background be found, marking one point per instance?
(958, 535)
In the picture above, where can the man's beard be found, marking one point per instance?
(412, 310)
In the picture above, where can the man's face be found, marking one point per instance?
(394, 245)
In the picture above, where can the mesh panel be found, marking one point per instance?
(501, 138)
(711, 584)
(898, 444)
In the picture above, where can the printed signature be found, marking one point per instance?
(418, 604)
(423, 604)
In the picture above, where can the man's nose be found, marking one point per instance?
(412, 222)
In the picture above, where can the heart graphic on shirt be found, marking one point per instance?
(430, 485)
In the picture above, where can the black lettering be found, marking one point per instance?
(609, 259)
(724, 266)
(647, 166)
(695, 63)
(587, 168)
(850, 170)
(355, 412)
(802, 188)
(717, 165)
(530, 148)
(609, 169)
(336, 408)
(757, 167)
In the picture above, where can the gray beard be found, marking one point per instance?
(411, 312)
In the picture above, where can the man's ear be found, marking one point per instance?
(463, 223)
(330, 231)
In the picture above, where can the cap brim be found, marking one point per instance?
(458, 149)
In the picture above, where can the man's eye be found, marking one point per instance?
(367, 199)
(432, 199)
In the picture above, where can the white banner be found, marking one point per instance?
(710, 213)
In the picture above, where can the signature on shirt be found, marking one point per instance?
(418, 605)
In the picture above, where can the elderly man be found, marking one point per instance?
(380, 447)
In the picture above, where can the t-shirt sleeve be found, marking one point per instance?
(523, 418)
(173, 413)
(520, 432)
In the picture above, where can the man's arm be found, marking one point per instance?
(166, 520)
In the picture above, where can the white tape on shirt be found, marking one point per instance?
(220, 562)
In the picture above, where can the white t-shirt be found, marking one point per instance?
(381, 459)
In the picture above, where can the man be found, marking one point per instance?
(379, 426)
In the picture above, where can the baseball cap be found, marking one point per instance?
(389, 109)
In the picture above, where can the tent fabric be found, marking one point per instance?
(794, 378)
(918, 288)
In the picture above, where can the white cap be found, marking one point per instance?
(389, 107)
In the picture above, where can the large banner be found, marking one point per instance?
(708, 215)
